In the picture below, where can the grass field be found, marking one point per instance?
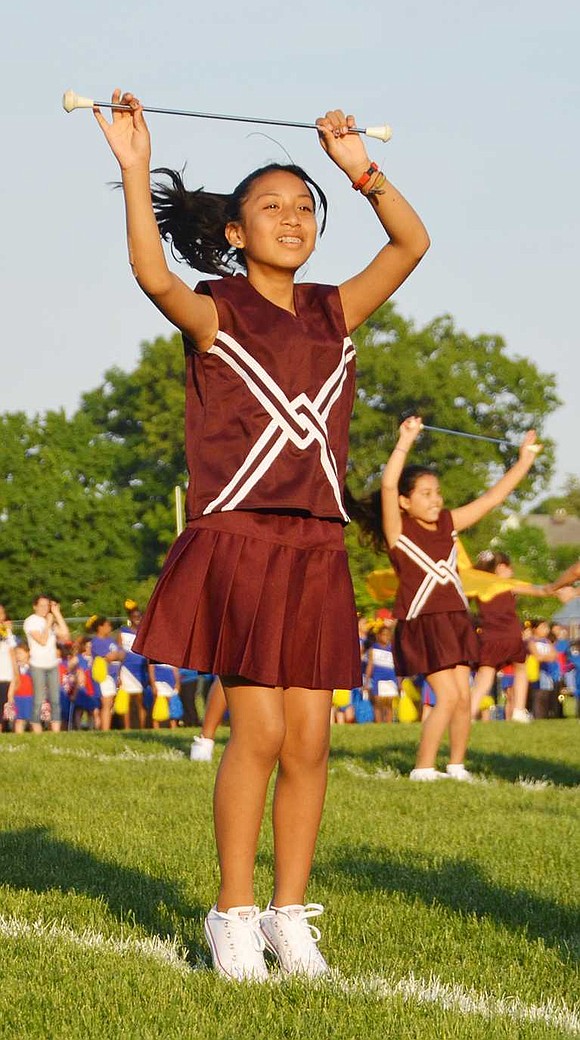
(451, 909)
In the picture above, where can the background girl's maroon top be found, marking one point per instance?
(431, 585)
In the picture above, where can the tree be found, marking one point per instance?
(569, 500)
(66, 528)
(141, 414)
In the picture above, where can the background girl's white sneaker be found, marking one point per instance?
(236, 943)
(522, 715)
(457, 771)
(293, 940)
(428, 774)
(201, 749)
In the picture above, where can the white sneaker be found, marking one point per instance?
(522, 715)
(292, 939)
(201, 749)
(459, 772)
(428, 774)
(236, 943)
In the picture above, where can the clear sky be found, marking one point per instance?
(484, 102)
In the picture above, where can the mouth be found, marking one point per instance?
(290, 240)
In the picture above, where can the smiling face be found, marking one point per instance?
(425, 502)
(278, 225)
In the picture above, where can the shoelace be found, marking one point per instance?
(301, 918)
(250, 928)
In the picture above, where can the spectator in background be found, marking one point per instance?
(542, 648)
(9, 675)
(133, 674)
(106, 656)
(43, 628)
(24, 696)
(380, 679)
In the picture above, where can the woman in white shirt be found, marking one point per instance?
(42, 629)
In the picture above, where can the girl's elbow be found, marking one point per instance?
(421, 245)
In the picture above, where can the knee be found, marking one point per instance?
(265, 741)
(305, 751)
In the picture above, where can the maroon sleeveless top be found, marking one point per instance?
(498, 618)
(426, 564)
(268, 405)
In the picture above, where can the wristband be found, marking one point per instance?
(365, 177)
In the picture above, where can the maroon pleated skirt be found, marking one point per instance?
(496, 653)
(432, 642)
(265, 596)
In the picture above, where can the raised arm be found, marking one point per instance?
(409, 430)
(408, 239)
(566, 578)
(129, 140)
(466, 516)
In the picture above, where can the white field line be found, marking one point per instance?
(453, 997)
(527, 783)
(169, 952)
(447, 996)
(126, 755)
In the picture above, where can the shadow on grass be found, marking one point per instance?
(35, 860)
(510, 767)
(458, 885)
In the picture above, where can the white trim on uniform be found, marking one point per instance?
(437, 572)
(300, 421)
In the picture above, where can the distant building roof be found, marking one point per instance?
(559, 529)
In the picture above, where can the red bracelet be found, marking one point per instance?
(365, 177)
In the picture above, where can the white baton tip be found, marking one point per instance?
(381, 133)
(534, 448)
(70, 101)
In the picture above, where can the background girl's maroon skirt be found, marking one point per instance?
(265, 596)
(432, 642)
(496, 653)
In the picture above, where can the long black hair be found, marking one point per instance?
(194, 222)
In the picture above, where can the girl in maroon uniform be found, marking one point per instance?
(500, 637)
(434, 634)
(257, 589)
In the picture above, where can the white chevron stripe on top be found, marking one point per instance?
(437, 572)
(299, 421)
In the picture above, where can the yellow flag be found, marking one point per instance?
(382, 584)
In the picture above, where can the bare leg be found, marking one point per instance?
(215, 710)
(300, 791)
(482, 685)
(460, 723)
(106, 712)
(520, 687)
(257, 735)
(447, 692)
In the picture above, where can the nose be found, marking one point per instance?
(290, 216)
